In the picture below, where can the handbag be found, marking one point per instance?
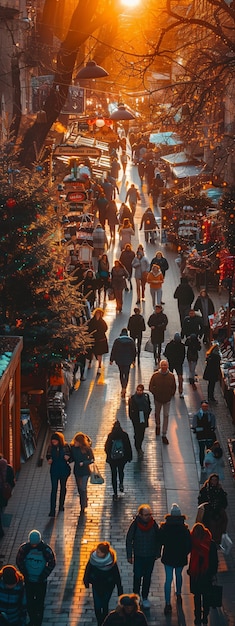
(96, 477)
(226, 543)
(111, 295)
(148, 346)
(215, 596)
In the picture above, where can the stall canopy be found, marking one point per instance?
(176, 158)
(165, 138)
(181, 166)
(187, 171)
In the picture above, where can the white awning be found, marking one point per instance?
(176, 158)
(167, 138)
(187, 171)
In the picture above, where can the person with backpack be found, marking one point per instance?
(118, 451)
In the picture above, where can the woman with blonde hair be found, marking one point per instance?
(83, 457)
(125, 233)
(102, 574)
(203, 567)
(97, 327)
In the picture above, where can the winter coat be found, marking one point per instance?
(125, 235)
(155, 280)
(98, 329)
(126, 259)
(133, 409)
(176, 541)
(119, 618)
(148, 220)
(112, 213)
(162, 263)
(175, 354)
(102, 580)
(162, 386)
(184, 294)
(216, 498)
(202, 583)
(192, 326)
(213, 464)
(59, 467)
(118, 433)
(212, 369)
(159, 323)
(133, 195)
(141, 265)
(194, 346)
(198, 306)
(118, 276)
(125, 212)
(81, 457)
(136, 325)
(41, 554)
(100, 241)
(13, 602)
(142, 543)
(204, 425)
(123, 351)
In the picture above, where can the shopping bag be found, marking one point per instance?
(111, 295)
(200, 513)
(226, 543)
(96, 477)
(215, 596)
(148, 346)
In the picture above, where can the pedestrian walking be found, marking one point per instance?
(214, 462)
(176, 541)
(118, 453)
(140, 265)
(7, 484)
(206, 307)
(123, 353)
(132, 196)
(35, 560)
(12, 596)
(126, 612)
(125, 233)
(192, 325)
(102, 573)
(83, 456)
(100, 244)
(89, 288)
(193, 348)
(150, 225)
(204, 425)
(58, 456)
(157, 322)
(214, 500)
(97, 327)
(118, 282)
(125, 213)
(162, 386)
(112, 219)
(175, 354)
(103, 276)
(142, 550)
(185, 296)
(115, 168)
(161, 261)
(102, 205)
(139, 411)
(136, 327)
(126, 258)
(202, 569)
(212, 370)
(155, 279)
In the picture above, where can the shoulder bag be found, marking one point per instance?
(96, 477)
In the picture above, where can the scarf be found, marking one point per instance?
(199, 559)
(147, 526)
(104, 563)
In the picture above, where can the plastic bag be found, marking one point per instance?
(226, 543)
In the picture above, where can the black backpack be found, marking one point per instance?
(117, 449)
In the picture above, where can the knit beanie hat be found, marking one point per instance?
(34, 537)
(9, 574)
(128, 599)
(177, 337)
(175, 509)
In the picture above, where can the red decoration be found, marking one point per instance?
(11, 202)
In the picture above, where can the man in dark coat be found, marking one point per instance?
(175, 353)
(185, 297)
(157, 322)
(139, 411)
(142, 550)
(127, 612)
(118, 453)
(136, 327)
(192, 325)
(204, 425)
(123, 353)
(176, 541)
(162, 386)
(206, 307)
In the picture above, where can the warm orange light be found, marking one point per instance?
(130, 3)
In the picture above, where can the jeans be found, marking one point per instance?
(203, 444)
(81, 482)
(166, 408)
(117, 468)
(169, 569)
(156, 295)
(54, 488)
(143, 567)
(101, 604)
(192, 368)
(157, 348)
(138, 342)
(124, 371)
(35, 595)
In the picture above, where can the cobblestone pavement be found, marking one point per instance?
(166, 474)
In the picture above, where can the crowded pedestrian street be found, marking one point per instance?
(161, 476)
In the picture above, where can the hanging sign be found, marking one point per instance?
(76, 196)
(77, 151)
